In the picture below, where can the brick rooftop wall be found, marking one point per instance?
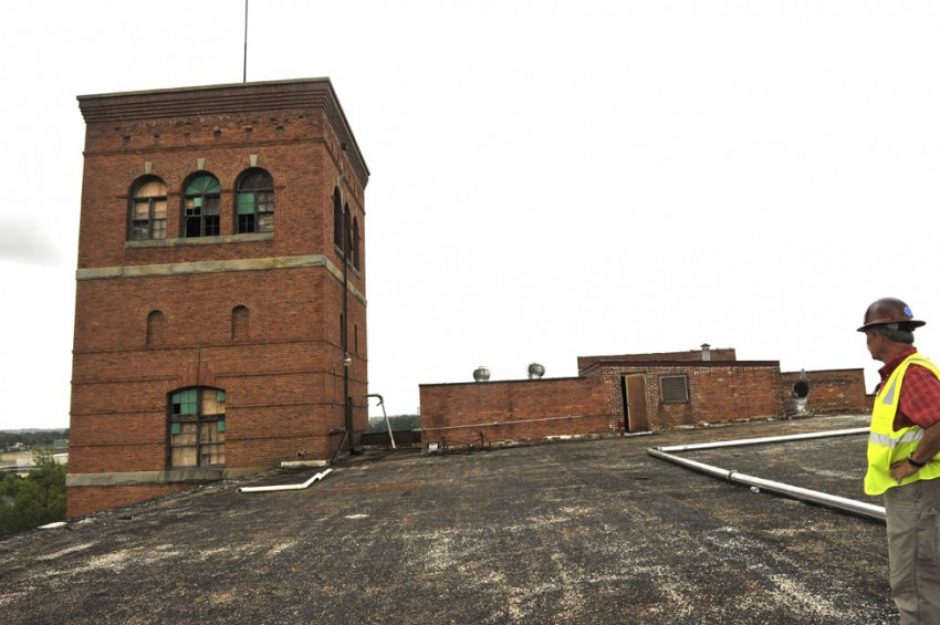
(835, 391)
(514, 410)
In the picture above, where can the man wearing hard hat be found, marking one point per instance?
(903, 460)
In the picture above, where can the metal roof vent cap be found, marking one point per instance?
(481, 374)
(536, 371)
(706, 352)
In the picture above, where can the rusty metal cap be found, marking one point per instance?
(889, 310)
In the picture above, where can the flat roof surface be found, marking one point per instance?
(585, 532)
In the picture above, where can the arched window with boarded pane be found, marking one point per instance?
(147, 210)
(196, 427)
(254, 204)
(156, 323)
(240, 323)
(201, 200)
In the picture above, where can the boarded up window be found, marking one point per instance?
(197, 427)
(148, 210)
(254, 206)
(674, 388)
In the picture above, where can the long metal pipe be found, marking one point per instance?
(853, 506)
(388, 424)
(763, 440)
(275, 487)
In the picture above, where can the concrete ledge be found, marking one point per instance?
(144, 477)
(182, 242)
(216, 266)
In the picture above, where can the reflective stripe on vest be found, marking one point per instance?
(887, 446)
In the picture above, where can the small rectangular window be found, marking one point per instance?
(674, 388)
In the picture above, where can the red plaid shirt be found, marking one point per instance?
(920, 394)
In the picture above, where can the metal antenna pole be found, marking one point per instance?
(245, 57)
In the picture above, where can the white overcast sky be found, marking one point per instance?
(549, 179)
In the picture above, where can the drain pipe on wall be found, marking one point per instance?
(275, 487)
(844, 504)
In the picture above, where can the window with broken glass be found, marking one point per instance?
(197, 428)
(255, 202)
(674, 388)
(148, 210)
(201, 206)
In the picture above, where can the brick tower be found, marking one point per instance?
(220, 315)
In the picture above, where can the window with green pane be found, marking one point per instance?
(197, 427)
(201, 201)
(148, 210)
(254, 202)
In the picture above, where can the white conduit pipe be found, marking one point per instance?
(267, 489)
(760, 441)
(853, 506)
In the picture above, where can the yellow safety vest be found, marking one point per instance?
(886, 445)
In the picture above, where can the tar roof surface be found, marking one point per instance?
(583, 532)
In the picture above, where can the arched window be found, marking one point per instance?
(254, 206)
(355, 243)
(197, 427)
(201, 206)
(155, 326)
(337, 219)
(148, 210)
(240, 319)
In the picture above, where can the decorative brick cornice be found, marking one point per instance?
(308, 93)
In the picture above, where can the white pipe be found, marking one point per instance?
(388, 424)
(760, 441)
(276, 487)
(787, 490)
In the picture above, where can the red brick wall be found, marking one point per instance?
(284, 381)
(514, 410)
(835, 391)
(717, 392)
(695, 355)
(88, 499)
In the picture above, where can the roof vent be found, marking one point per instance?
(536, 371)
(481, 374)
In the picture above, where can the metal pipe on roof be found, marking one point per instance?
(388, 424)
(787, 490)
(844, 504)
(762, 440)
(275, 487)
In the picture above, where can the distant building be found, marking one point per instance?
(220, 321)
(631, 393)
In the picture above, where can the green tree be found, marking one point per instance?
(35, 500)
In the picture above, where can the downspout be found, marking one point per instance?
(844, 504)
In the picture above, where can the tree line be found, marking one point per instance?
(31, 439)
(34, 500)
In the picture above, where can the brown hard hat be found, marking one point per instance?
(889, 310)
